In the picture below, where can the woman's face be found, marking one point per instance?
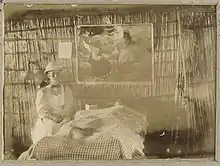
(54, 76)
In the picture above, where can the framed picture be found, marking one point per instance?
(115, 54)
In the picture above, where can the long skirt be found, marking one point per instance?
(43, 128)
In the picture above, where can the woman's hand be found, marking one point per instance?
(67, 114)
(53, 115)
(67, 119)
(58, 118)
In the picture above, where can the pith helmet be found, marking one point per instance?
(53, 66)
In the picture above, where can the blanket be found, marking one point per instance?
(120, 122)
(60, 148)
(100, 134)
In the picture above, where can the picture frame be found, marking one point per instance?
(168, 162)
(143, 28)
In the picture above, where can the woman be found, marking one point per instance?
(126, 49)
(54, 104)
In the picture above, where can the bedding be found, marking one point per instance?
(120, 122)
(101, 134)
(60, 148)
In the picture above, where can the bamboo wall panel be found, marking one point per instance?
(200, 62)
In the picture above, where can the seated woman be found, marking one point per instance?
(54, 104)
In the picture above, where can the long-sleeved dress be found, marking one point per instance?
(53, 105)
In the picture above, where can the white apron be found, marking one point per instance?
(46, 127)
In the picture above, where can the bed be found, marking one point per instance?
(112, 133)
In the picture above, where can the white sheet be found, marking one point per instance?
(119, 122)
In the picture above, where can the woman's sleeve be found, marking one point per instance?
(44, 109)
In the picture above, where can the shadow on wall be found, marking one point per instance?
(198, 140)
(17, 149)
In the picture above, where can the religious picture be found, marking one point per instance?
(115, 53)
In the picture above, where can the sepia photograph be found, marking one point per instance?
(109, 82)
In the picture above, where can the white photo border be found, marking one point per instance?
(159, 162)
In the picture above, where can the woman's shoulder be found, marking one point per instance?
(43, 90)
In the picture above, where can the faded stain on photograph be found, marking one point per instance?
(109, 82)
